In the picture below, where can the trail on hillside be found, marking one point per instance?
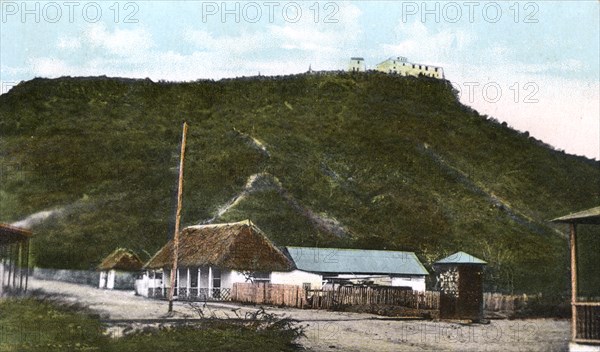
(264, 181)
(480, 189)
(38, 218)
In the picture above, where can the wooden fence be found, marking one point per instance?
(296, 296)
(272, 294)
(367, 296)
(497, 302)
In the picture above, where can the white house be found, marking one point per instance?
(214, 257)
(118, 269)
(401, 66)
(357, 64)
(211, 259)
(316, 267)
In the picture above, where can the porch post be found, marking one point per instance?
(1, 270)
(178, 283)
(26, 263)
(10, 264)
(210, 281)
(199, 283)
(152, 283)
(21, 262)
(187, 281)
(573, 245)
(162, 282)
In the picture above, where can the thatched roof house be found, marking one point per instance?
(121, 259)
(240, 246)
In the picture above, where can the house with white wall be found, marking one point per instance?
(211, 259)
(401, 66)
(118, 269)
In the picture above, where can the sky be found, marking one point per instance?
(533, 65)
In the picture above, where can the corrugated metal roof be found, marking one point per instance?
(336, 260)
(589, 216)
(460, 258)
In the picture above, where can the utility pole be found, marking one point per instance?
(177, 219)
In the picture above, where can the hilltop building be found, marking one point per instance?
(398, 65)
(357, 64)
(401, 66)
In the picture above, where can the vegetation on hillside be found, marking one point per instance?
(348, 160)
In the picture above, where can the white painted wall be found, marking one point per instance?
(107, 279)
(102, 282)
(229, 277)
(297, 277)
(581, 347)
(417, 283)
(357, 65)
(404, 68)
(110, 280)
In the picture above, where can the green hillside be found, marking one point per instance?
(365, 160)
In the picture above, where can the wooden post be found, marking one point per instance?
(26, 263)
(9, 262)
(210, 283)
(187, 281)
(573, 245)
(21, 263)
(199, 283)
(174, 269)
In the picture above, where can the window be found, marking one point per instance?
(194, 278)
(216, 272)
(413, 65)
(436, 69)
(306, 286)
(426, 68)
(262, 277)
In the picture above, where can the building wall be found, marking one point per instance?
(229, 277)
(297, 277)
(417, 283)
(119, 280)
(357, 66)
(405, 68)
(74, 276)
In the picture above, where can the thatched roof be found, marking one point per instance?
(121, 259)
(239, 246)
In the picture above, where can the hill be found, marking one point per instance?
(346, 160)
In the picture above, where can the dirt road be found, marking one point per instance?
(340, 331)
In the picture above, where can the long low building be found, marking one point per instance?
(214, 257)
(401, 66)
(333, 266)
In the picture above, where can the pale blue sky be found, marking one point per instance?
(543, 57)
